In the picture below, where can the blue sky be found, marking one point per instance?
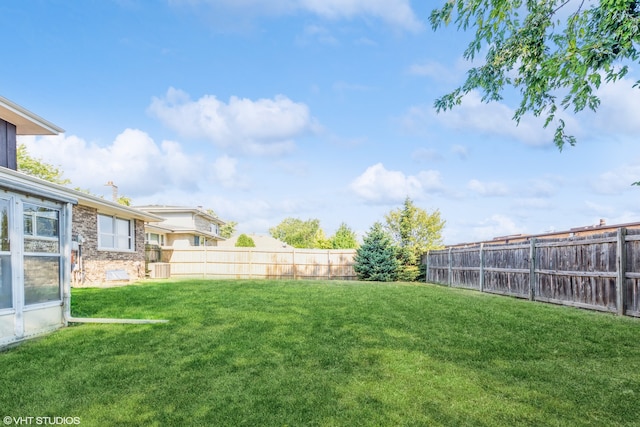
(262, 110)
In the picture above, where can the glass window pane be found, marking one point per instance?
(41, 279)
(106, 241)
(35, 245)
(6, 295)
(28, 224)
(122, 227)
(124, 242)
(4, 225)
(47, 227)
(105, 224)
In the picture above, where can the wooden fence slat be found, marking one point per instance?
(622, 268)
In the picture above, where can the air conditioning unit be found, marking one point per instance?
(159, 270)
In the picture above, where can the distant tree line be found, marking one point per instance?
(390, 251)
(308, 234)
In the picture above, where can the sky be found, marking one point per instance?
(312, 109)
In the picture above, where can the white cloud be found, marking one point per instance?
(543, 187)
(319, 34)
(225, 171)
(379, 185)
(264, 126)
(426, 155)
(618, 180)
(495, 118)
(488, 189)
(397, 13)
(494, 226)
(432, 69)
(533, 203)
(133, 161)
(619, 109)
(461, 151)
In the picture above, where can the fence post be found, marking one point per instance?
(481, 267)
(426, 270)
(450, 275)
(204, 265)
(329, 263)
(621, 266)
(293, 261)
(532, 270)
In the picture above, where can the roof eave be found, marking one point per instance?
(26, 122)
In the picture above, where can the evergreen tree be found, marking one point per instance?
(414, 232)
(376, 259)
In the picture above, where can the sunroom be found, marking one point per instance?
(35, 237)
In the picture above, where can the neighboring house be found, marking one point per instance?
(182, 227)
(35, 237)
(109, 241)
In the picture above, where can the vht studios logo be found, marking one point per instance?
(41, 421)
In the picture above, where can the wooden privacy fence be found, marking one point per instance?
(600, 272)
(252, 263)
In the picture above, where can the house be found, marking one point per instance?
(108, 241)
(35, 237)
(182, 226)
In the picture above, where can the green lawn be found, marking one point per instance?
(284, 353)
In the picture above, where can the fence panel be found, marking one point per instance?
(580, 272)
(506, 269)
(632, 276)
(438, 267)
(246, 263)
(598, 272)
(465, 268)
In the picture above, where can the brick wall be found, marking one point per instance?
(96, 262)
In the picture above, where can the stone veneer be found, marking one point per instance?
(96, 262)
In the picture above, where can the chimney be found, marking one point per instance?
(114, 190)
(602, 222)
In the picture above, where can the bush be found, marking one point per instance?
(245, 241)
(376, 259)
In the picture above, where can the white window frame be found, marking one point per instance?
(116, 237)
(149, 240)
(22, 253)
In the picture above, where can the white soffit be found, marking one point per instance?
(25, 121)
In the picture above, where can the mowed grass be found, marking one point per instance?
(284, 353)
